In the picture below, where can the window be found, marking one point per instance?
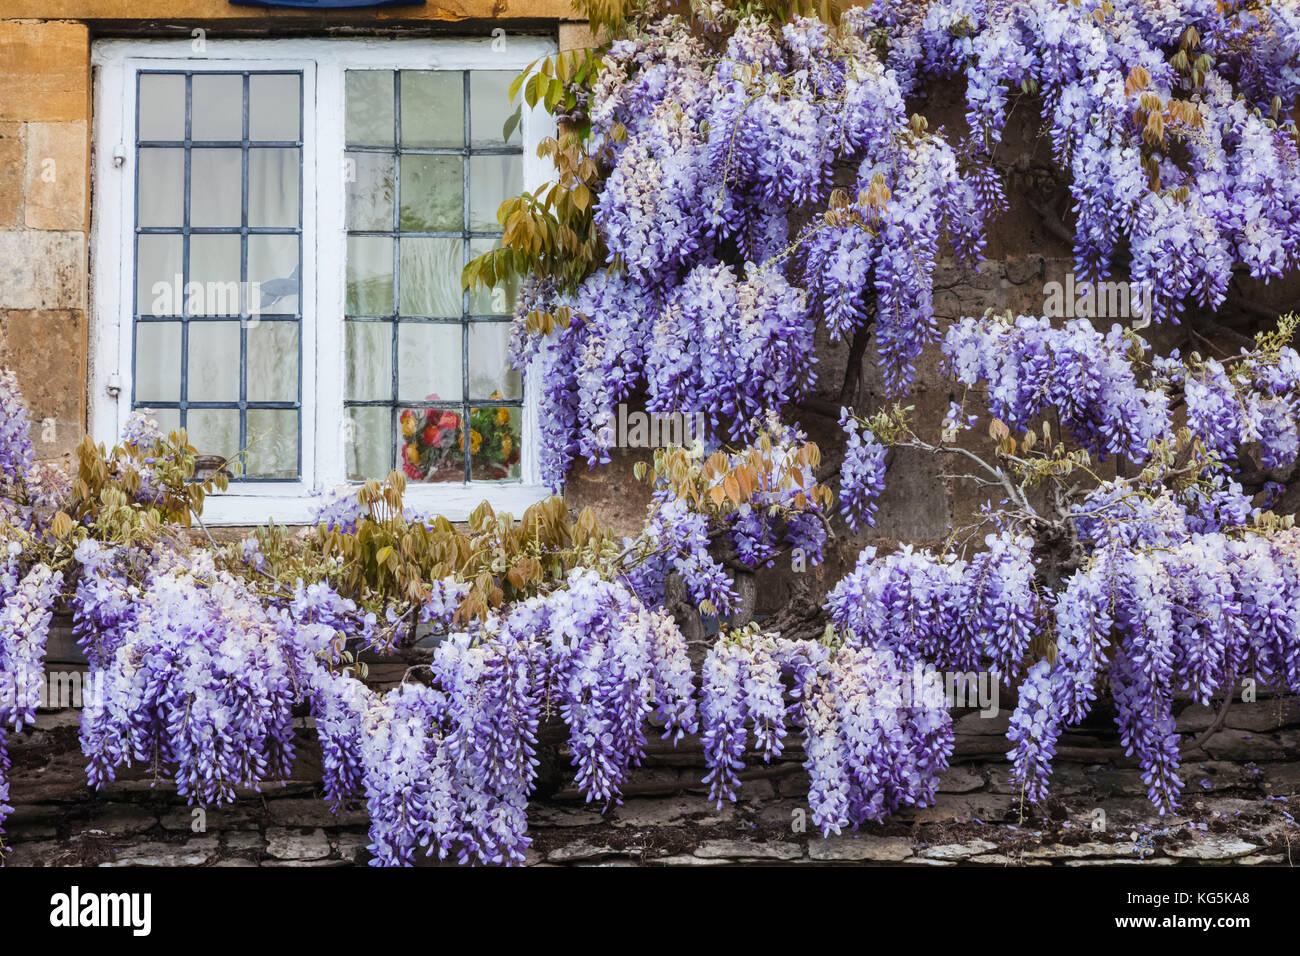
(279, 232)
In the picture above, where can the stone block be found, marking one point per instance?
(44, 71)
(57, 169)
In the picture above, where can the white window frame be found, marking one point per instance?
(322, 63)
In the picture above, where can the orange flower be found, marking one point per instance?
(408, 423)
(413, 454)
(503, 416)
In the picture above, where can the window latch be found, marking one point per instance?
(119, 156)
(114, 387)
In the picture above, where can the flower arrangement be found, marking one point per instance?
(434, 443)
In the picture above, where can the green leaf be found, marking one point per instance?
(512, 123)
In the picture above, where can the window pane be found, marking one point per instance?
(272, 362)
(273, 267)
(168, 419)
(274, 106)
(428, 362)
(157, 362)
(369, 361)
(495, 436)
(490, 374)
(500, 299)
(433, 108)
(213, 374)
(430, 444)
(273, 187)
(162, 106)
(368, 441)
(214, 266)
(160, 288)
(433, 193)
(431, 277)
(370, 182)
(490, 107)
(369, 120)
(369, 276)
(492, 180)
(160, 199)
(214, 431)
(217, 107)
(216, 187)
(272, 443)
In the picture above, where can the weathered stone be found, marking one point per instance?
(1150, 861)
(355, 847)
(1281, 778)
(565, 817)
(960, 779)
(1242, 745)
(977, 725)
(579, 851)
(43, 270)
(235, 861)
(296, 812)
(40, 854)
(746, 850)
(672, 811)
(44, 70)
(243, 841)
(1213, 848)
(958, 851)
(124, 819)
(860, 847)
(304, 863)
(1056, 851)
(57, 165)
(922, 861)
(988, 807)
(756, 790)
(285, 844)
(191, 853)
(1256, 717)
(1001, 859)
(235, 816)
(1264, 859)
(11, 174)
(682, 859)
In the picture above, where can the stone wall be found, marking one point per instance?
(44, 218)
(1242, 790)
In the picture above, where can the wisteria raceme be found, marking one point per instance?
(24, 627)
(200, 682)
(1195, 616)
(862, 476)
(16, 455)
(1084, 376)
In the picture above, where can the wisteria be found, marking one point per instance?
(715, 154)
(760, 189)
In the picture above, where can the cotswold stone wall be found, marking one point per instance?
(1242, 790)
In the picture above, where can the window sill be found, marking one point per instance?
(453, 501)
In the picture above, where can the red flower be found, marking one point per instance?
(413, 471)
(431, 435)
(449, 420)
